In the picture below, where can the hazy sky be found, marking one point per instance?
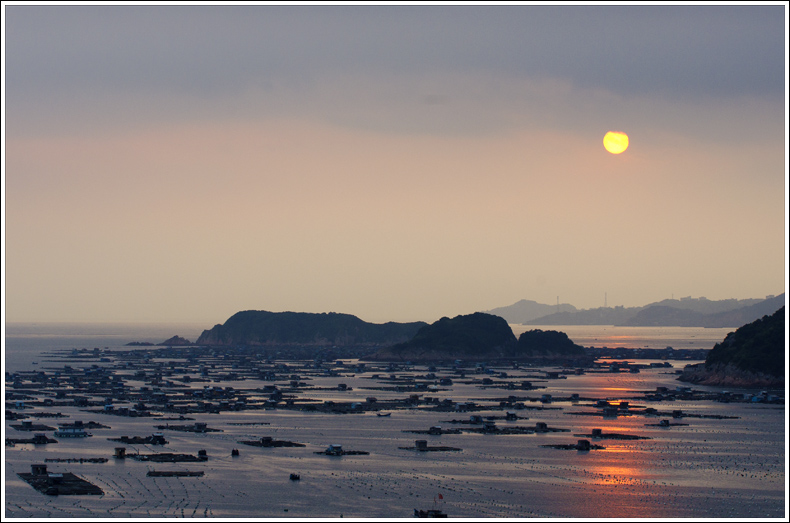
(182, 163)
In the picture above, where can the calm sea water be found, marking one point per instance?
(26, 345)
(710, 468)
(636, 337)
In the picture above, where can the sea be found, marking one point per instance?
(728, 460)
(26, 345)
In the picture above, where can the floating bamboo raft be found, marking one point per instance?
(175, 473)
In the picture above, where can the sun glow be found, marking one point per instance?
(615, 142)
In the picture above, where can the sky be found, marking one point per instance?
(395, 162)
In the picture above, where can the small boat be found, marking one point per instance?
(431, 513)
(383, 414)
(295, 477)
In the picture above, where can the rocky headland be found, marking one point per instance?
(729, 376)
(752, 356)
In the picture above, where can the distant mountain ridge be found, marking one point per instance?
(525, 310)
(303, 328)
(686, 312)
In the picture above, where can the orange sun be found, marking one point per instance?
(615, 142)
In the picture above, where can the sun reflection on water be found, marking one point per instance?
(611, 475)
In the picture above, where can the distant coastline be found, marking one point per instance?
(686, 312)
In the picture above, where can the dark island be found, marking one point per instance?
(176, 341)
(547, 344)
(303, 328)
(480, 336)
(472, 336)
(752, 356)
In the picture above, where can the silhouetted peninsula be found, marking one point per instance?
(303, 328)
(752, 356)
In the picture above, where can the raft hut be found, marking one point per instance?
(421, 445)
(72, 432)
(55, 483)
